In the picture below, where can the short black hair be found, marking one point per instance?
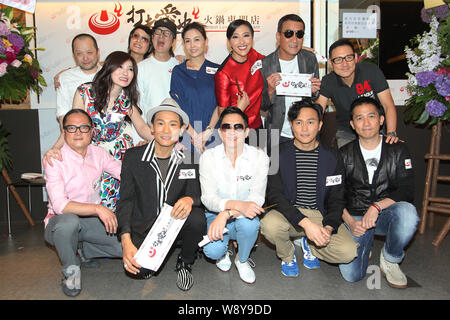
(295, 108)
(236, 24)
(340, 43)
(82, 36)
(233, 110)
(366, 100)
(289, 17)
(75, 111)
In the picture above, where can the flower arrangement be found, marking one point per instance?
(370, 54)
(19, 69)
(429, 65)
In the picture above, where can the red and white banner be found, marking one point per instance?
(110, 22)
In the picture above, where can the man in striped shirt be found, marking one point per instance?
(308, 194)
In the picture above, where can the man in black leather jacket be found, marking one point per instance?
(379, 189)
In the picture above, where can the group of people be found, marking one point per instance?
(133, 127)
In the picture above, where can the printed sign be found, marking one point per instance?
(359, 25)
(294, 84)
(159, 240)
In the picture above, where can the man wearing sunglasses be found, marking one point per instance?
(350, 80)
(75, 214)
(289, 57)
(233, 178)
(155, 72)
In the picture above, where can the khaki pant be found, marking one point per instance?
(278, 230)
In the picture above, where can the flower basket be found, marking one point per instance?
(429, 65)
(19, 69)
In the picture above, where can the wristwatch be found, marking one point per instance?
(230, 214)
(392, 133)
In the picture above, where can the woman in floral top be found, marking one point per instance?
(111, 101)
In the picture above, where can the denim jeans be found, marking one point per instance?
(244, 230)
(398, 223)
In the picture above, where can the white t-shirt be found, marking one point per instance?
(154, 85)
(290, 66)
(154, 82)
(372, 159)
(70, 80)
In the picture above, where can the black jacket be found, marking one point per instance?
(281, 187)
(393, 178)
(139, 201)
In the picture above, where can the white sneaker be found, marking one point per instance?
(394, 276)
(245, 271)
(224, 263)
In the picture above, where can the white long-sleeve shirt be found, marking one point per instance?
(220, 182)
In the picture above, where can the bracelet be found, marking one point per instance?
(208, 128)
(230, 214)
(376, 205)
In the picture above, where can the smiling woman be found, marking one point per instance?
(111, 102)
(239, 77)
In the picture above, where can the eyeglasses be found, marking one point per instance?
(289, 33)
(164, 33)
(348, 58)
(138, 37)
(238, 127)
(72, 129)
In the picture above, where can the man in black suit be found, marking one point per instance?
(155, 174)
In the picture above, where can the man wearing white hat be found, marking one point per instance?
(155, 174)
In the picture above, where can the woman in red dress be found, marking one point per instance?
(239, 82)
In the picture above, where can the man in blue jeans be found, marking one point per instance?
(233, 178)
(379, 189)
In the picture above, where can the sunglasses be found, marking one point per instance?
(238, 127)
(289, 33)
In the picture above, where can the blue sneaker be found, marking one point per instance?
(309, 260)
(290, 269)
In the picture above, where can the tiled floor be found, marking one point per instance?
(30, 269)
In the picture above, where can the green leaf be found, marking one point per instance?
(423, 117)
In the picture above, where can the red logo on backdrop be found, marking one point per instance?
(285, 84)
(362, 88)
(195, 13)
(152, 252)
(105, 22)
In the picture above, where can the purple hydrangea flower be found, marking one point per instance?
(2, 47)
(435, 108)
(439, 12)
(16, 40)
(425, 78)
(443, 85)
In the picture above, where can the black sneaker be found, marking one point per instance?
(71, 282)
(185, 280)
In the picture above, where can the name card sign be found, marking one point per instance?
(359, 25)
(294, 84)
(159, 240)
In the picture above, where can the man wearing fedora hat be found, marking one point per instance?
(155, 72)
(154, 174)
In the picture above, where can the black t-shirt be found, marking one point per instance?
(369, 81)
